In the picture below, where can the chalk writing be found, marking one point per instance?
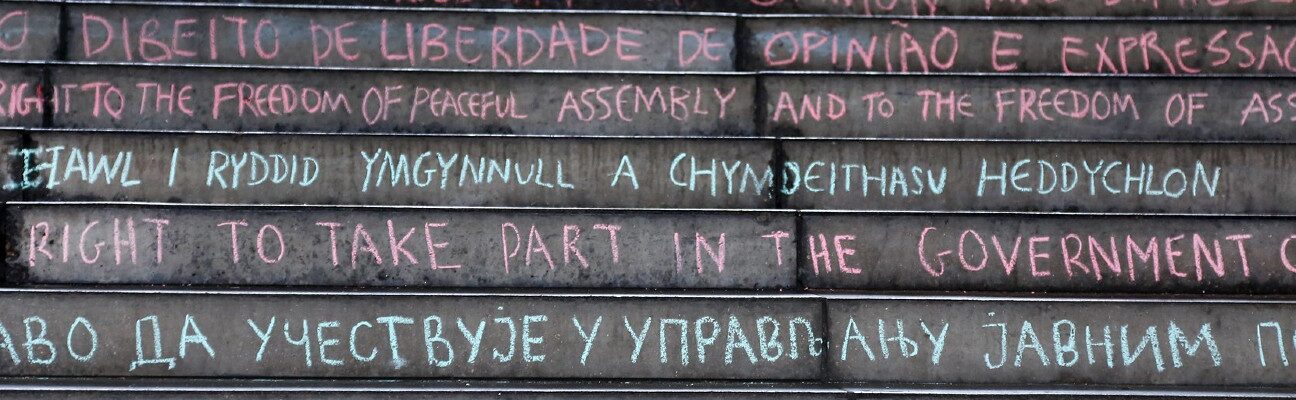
(472, 249)
(817, 174)
(1028, 108)
(21, 97)
(1074, 8)
(28, 31)
(418, 103)
(1057, 342)
(1071, 48)
(411, 337)
(910, 340)
(399, 39)
(1028, 176)
(1108, 254)
(393, 170)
